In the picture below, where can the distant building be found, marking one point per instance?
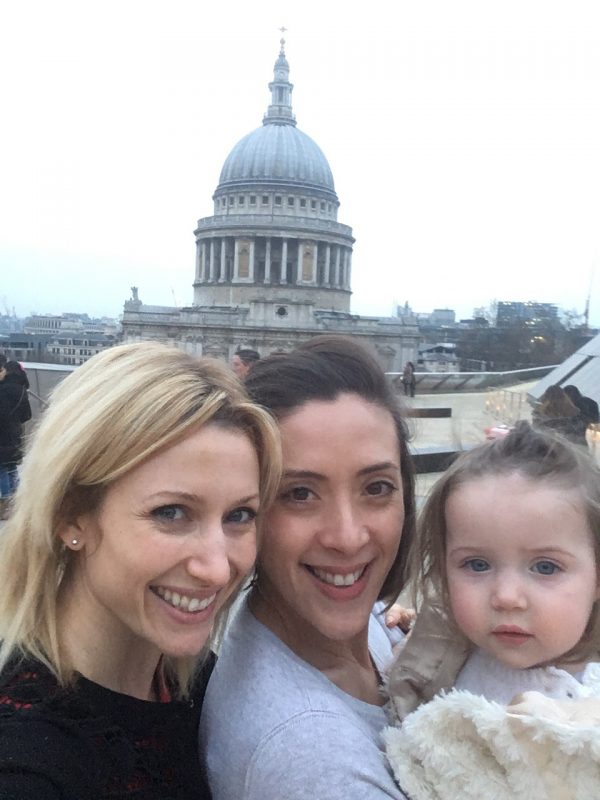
(439, 357)
(533, 314)
(442, 316)
(273, 264)
(66, 339)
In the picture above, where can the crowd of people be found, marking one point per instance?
(157, 488)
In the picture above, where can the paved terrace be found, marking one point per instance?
(471, 413)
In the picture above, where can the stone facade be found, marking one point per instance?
(273, 264)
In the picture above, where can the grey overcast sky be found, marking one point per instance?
(463, 135)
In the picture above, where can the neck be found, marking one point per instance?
(346, 663)
(100, 647)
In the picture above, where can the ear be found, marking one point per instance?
(72, 534)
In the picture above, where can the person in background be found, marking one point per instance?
(243, 361)
(408, 379)
(295, 707)
(14, 411)
(134, 524)
(555, 411)
(587, 406)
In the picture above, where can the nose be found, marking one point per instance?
(343, 527)
(508, 592)
(208, 557)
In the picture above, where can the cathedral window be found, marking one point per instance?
(277, 199)
(313, 204)
(241, 200)
(322, 205)
(265, 199)
(231, 200)
(302, 203)
(252, 199)
(291, 202)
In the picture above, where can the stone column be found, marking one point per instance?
(212, 260)
(251, 262)
(199, 275)
(299, 268)
(236, 260)
(348, 270)
(316, 263)
(223, 261)
(327, 265)
(283, 271)
(336, 280)
(268, 261)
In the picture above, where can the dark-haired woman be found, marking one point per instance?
(295, 708)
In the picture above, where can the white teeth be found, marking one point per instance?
(182, 601)
(337, 578)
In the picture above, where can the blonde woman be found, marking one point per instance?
(132, 528)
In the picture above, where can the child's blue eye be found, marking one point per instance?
(477, 564)
(545, 568)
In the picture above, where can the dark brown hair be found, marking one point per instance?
(322, 369)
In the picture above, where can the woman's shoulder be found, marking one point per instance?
(38, 748)
(93, 742)
(25, 685)
(264, 702)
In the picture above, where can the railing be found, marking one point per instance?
(505, 406)
(271, 220)
(431, 382)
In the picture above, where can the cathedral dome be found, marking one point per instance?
(280, 154)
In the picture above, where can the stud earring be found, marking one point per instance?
(74, 542)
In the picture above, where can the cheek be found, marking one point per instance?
(465, 603)
(244, 554)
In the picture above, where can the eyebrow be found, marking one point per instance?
(475, 548)
(306, 473)
(193, 498)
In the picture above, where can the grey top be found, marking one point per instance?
(275, 728)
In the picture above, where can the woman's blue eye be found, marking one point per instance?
(477, 564)
(545, 568)
(241, 516)
(380, 488)
(168, 513)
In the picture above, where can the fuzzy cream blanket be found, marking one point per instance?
(460, 746)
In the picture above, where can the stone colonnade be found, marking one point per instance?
(273, 260)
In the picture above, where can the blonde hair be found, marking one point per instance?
(104, 419)
(541, 456)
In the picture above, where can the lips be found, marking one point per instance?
(336, 576)
(184, 601)
(511, 634)
(340, 583)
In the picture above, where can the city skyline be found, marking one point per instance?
(463, 140)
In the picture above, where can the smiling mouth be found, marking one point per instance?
(182, 602)
(337, 578)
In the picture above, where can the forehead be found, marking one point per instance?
(506, 507)
(346, 424)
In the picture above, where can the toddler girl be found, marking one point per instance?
(507, 573)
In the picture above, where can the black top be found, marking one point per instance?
(14, 410)
(88, 743)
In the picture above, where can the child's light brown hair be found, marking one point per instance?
(536, 455)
